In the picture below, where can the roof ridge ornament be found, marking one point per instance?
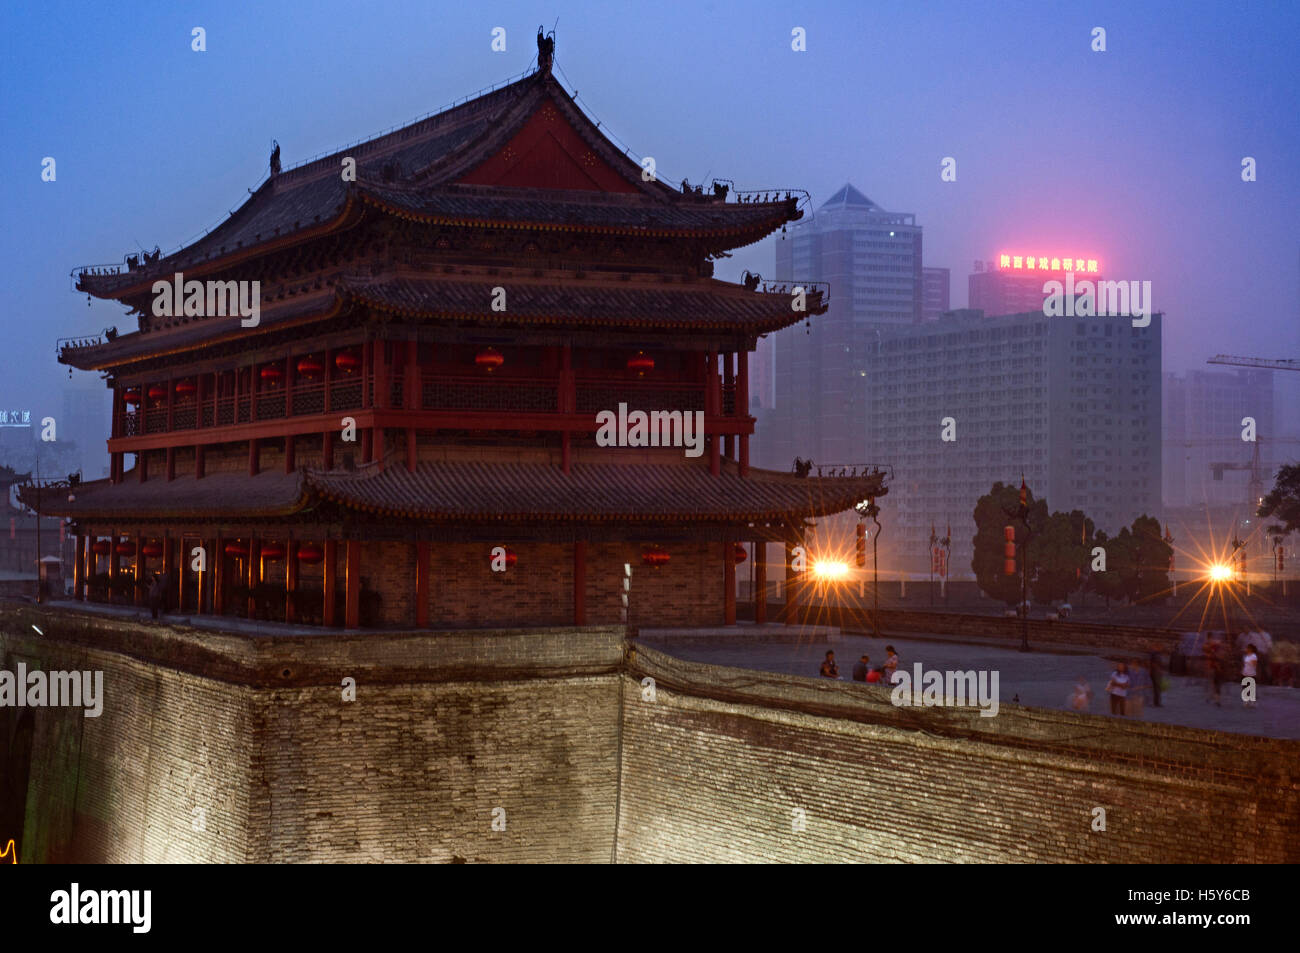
(545, 50)
(275, 159)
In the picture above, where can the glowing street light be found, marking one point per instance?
(1219, 572)
(829, 571)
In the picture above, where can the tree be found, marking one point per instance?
(990, 519)
(1059, 555)
(1283, 501)
(1137, 563)
(1110, 584)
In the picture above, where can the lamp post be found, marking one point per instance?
(1021, 512)
(872, 511)
(934, 538)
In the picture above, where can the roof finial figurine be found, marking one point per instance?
(275, 158)
(545, 50)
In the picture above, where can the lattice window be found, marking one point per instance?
(183, 418)
(309, 402)
(270, 406)
(595, 398)
(345, 396)
(452, 394)
(130, 424)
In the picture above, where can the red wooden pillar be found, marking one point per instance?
(290, 376)
(352, 604)
(254, 573)
(203, 575)
(139, 568)
(216, 398)
(254, 385)
(729, 381)
(760, 582)
(171, 402)
(422, 583)
(200, 461)
(171, 463)
(791, 611)
(216, 563)
(712, 407)
(291, 580)
(142, 466)
(290, 463)
(114, 567)
(329, 584)
(566, 403)
(79, 569)
(580, 582)
(412, 396)
(729, 582)
(328, 376)
(742, 407)
(169, 567)
(368, 444)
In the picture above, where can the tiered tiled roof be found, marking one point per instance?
(485, 491)
(414, 172)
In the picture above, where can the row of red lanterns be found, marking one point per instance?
(310, 553)
(489, 359)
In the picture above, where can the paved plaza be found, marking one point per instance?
(1040, 678)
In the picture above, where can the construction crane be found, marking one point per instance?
(1255, 488)
(1282, 364)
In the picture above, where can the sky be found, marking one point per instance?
(1132, 155)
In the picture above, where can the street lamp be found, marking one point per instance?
(1021, 512)
(934, 538)
(872, 511)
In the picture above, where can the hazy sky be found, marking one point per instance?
(1132, 156)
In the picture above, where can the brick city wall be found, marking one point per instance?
(553, 726)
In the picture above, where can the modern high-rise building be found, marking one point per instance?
(1013, 283)
(935, 292)
(871, 260)
(1204, 411)
(1072, 404)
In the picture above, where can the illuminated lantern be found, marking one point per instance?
(1009, 551)
(157, 392)
(237, 549)
(151, 550)
(186, 388)
(272, 373)
(347, 361)
(1280, 558)
(489, 359)
(640, 362)
(739, 553)
(273, 551)
(311, 554)
(310, 367)
(132, 396)
(125, 548)
(654, 557)
(860, 545)
(101, 547)
(511, 558)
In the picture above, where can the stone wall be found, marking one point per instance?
(554, 726)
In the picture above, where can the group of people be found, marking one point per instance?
(862, 668)
(1127, 688)
(1220, 662)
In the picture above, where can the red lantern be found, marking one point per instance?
(347, 361)
(132, 395)
(1009, 551)
(739, 553)
(272, 373)
(511, 558)
(157, 392)
(101, 547)
(186, 388)
(125, 548)
(654, 557)
(489, 359)
(151, 550)
(640, 362)
(273, 551)
(310, 367)
(237, 549)
(311, 554)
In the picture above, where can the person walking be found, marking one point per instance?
(1157, 675)
(155, 594)
(1081, 697)
(1117, 688)
(1249, 669)
(891, 665)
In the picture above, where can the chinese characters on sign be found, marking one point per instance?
(15, 418)
(1033, 263)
